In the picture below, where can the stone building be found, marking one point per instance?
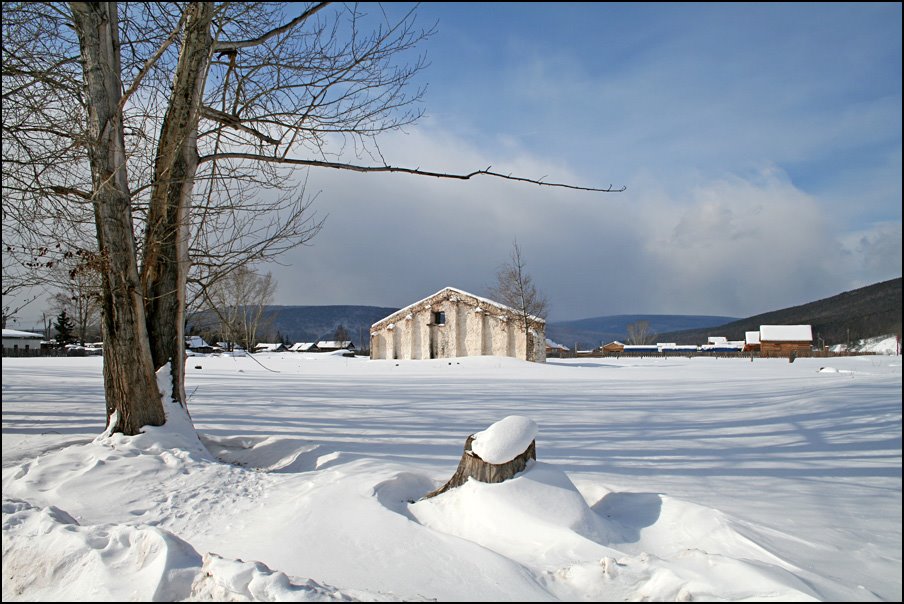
(454, 323)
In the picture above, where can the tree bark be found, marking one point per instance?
(472, 466)
(130, 384)
(166, 261)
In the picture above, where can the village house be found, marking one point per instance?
(554, 349)
(196, 344)
(304, 347)
(454, 323)
(20, 342)
(783, 340)
(333, 345)
(270, 347)
(614, 347)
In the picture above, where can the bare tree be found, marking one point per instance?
(515, 288)
(640, 333)
(144, 133)
(238, 301)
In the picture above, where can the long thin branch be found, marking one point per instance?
(150, 62)
(226, 46)
(415, 171)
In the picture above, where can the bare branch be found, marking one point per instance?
(234, 122)
(414, 171)
(151, 62)
(227, 47)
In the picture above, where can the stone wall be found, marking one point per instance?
(453, 323)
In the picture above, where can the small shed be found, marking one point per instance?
(783, 340)
(751, 341)
(613, 347)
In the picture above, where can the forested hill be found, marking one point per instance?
(868, 312)
(314, 323)
(862, 313)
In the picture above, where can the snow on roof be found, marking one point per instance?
(716, 340)
(268, 346)
(302, 346)
(15, 333)
(460, 292)
(334, 344)
(195, 342)
(752, 337)
(786, 333)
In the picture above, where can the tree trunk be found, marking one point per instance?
(472, 466)
(166, 261)
(130, 385)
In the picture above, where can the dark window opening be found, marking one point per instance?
(439, 318)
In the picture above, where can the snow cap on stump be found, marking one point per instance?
(504, 440)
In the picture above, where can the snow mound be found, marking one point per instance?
(119, 563)
(540, 520)
(223, 580)
(46, 554)
(504, 440)
(539, 506)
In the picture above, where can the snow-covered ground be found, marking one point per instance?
(669, 479)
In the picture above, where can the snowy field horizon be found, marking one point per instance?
(675, 479)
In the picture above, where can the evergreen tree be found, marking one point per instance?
(64, 328)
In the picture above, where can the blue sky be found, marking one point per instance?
(760, 144)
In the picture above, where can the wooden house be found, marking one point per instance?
(783, 340)
(614, 347)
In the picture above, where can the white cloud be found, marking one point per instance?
(733, 246)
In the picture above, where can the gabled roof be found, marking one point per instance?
(786, 333)
(302, 346)
(452, 292)
(196, 342)
(334, 344)
(15, 333)
(269, 347)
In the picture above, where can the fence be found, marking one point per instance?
(40, 352)
(704, 353)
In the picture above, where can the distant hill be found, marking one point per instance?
(314, 323)
(592, 332)
(310, 323)
(868, 312)
(863, 313)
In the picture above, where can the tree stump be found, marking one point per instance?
(472, 466)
